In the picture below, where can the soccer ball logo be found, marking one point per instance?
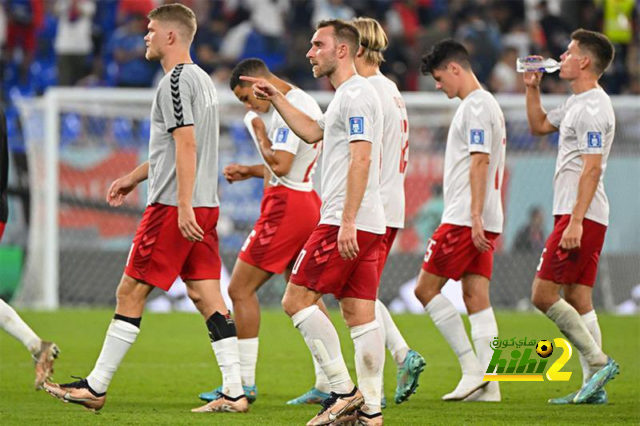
(544, 348)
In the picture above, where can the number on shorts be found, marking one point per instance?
(541, 260)
(248, 240)
(430, 245)
(298, 261)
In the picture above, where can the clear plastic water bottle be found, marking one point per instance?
(535, 64)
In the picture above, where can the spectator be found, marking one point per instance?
(73, 41)
(555, 30)
(331, 9)
(504, 78)
(24, 20)
(531, 237)
(127, 48)
(482, 39)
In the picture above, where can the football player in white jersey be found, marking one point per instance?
(290, 212)
(462, 246)
(341, 256)
(395, 155)
(569, 261)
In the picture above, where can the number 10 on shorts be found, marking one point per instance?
(430, 245)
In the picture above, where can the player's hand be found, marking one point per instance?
(532, 79)
(477, 235)
(262, 89)
(119, 189)
(348, 241)
(188, 225)
(236, 172)
(571, 236)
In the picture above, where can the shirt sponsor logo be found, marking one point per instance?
(594, 139)
(356, 126)
(282, 135)
(477, 137)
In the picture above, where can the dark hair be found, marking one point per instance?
(252, 67)
(598, 45)
(344, 32)
(442, 53)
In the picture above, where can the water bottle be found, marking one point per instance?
(535, 64)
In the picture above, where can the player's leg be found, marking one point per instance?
(121, 334)
(580, 297)
(484, 328)
(359, 314)
(44, 353)
(321, 388)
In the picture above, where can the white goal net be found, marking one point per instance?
(80, 140)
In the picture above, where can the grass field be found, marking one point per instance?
(172, 362)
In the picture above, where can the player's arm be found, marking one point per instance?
(237, 172)
(121, 187)
(279, 161)
(478, 179)
(536, 115)
(357, 178)
(186, 163)
(302, 125)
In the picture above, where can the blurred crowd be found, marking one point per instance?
(100, 42)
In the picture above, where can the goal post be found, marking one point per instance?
(80, 140)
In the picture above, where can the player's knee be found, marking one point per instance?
(541, 301)
(425, 294)
(130, 293)
(580, 304)
(238, 293)
(194, 295)
(221, 326)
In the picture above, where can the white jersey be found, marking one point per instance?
(282, 138)
(587, 125)
(395, 148)
(354, 114)
(478, 126)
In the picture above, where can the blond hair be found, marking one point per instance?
(179, 14)
(373, 39)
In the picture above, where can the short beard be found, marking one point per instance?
(327, 71)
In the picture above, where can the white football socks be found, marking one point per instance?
(392, 337)
(450, 324)
(369, 355)
(120, 336)
(323, 342)
(226, 351)
(591, 322)
(569, 322)
(322, 383)
(11, 322)
(484, 329)
(248, 349)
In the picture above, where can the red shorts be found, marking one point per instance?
(287, 219)
(160, 253)
(2, 225)
(320, 267)
(385, 248)
(576, 266)
(451, 253)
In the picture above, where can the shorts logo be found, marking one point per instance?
(594, 139)
(356, 126)
(477, 137)
(282, 135)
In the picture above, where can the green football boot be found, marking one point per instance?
(597, 399)
(251, 392)
(408, 376)
(597, 382)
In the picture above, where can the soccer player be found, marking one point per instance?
(395, 144)
(569, 261)
(177, 235)
(43, 353)
(290, 212)
(341, 256)
(462, 246)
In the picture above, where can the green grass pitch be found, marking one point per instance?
(172, 362)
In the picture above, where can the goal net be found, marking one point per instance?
(80, 140)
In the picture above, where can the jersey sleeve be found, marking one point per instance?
(321, 121)
(283, 138)
(556, 115)
(176, 101)
(591, 126)
(479, 128)
(359, 113)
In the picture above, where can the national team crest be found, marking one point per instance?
(356, 125)
(477, 137)
(282, 135)
(594, 139)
